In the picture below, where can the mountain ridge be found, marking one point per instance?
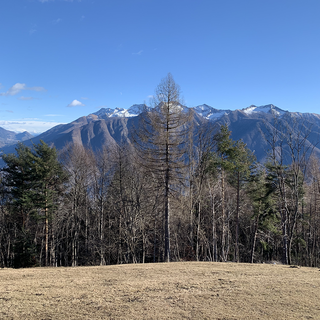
(8, 137)
(113, 126)
(203, 110)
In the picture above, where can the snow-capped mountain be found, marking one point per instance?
(210, 113)
(213, 114)
(114, 126)
(203, 110)
(133, 111)
(270, 109)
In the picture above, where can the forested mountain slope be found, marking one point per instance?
(168, 199)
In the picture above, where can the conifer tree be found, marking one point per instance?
(33, 177)
(48, 176)
(243, 162)
(222, 161)
(160, 142)
(235, 158)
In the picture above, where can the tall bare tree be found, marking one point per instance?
(289, 155)
(103, 174)
(161, 144)
(79, 165)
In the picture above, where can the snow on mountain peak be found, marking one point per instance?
(210, 113)
(133, 111)
(136, 109)
(203, 110)
(269, 108)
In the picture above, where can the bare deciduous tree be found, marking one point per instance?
(161, 144)
(289, 155)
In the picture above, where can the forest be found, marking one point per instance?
(178, 192)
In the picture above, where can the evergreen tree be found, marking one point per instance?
(17, 181)
(234, 163)
(33, 177)
(48, 176)
(222, 163)
(265, 215)
(243, 165)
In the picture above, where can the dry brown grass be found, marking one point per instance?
(187, 290)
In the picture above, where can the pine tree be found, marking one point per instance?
(16, 178)
(233, 160)
(48, 176)
(33, 177)
(222, 161)
(243, 161)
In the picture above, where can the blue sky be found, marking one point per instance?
(62, 59)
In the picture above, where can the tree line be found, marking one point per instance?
(181, 191)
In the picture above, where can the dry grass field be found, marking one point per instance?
(186, 290)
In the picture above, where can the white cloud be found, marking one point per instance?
(26, 98)
(16, 88)
(38, 89)
(138, 53)
(56, 21)
(53, 115)
(43, 1)
(32, 126)
(75, 103)
(33, 29)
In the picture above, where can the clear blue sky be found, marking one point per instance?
(60, 59)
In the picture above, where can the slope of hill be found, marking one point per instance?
(253, 125)
(9, 137)
(177, 290)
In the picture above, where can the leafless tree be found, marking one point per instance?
(161, 144)
(289, 155)
(103, 175)
(78, 162)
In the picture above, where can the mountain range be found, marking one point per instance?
(113, 126)
(8, 138)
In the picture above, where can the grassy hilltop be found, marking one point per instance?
(186, 290)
